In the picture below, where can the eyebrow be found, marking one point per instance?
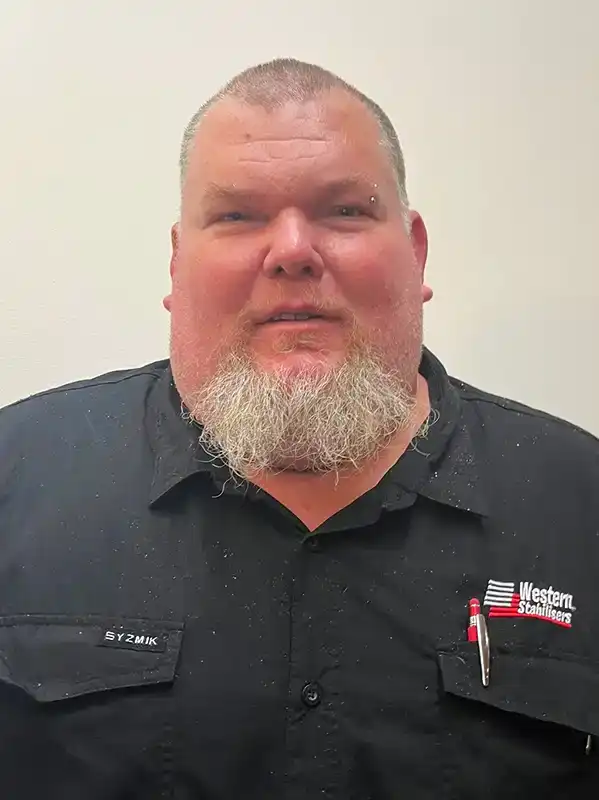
(215, 192)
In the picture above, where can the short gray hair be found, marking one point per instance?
(285, 80)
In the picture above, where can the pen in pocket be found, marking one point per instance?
(478, 632)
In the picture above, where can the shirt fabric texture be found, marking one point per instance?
(168, 632)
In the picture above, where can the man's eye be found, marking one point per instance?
(232, 216)
(349, 211)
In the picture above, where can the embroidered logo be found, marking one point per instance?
(547, 604)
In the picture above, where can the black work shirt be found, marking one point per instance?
(166, 633)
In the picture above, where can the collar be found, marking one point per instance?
(440, 466)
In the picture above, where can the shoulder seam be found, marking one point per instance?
(510, 406)
(79, 385)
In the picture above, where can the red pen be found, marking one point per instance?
(477, 632)
(473, 612)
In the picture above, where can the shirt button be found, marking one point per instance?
(312, 694)
(313, 544)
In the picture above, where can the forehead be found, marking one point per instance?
(327, 138)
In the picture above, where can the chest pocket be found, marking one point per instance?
(89, 701)
(526, 734)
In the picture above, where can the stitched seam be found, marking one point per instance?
(88, 385)
(122, 680)
(529, 412)
(528, 653)
(17, 620)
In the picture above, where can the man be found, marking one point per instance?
(255, 571)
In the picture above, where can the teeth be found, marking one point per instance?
(291, 317)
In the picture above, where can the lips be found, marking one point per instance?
(291, 317)
(294, 314)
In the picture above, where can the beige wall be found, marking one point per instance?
(497, 104)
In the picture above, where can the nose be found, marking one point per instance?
(292, 253)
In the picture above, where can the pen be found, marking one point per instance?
(478, 632)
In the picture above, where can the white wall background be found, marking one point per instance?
(497, 105)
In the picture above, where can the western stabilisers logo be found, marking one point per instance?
(530, 601)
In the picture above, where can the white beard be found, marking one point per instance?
(313, 421)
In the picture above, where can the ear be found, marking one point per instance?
(419, 238)
(175, 234)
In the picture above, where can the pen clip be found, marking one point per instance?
(484, 648)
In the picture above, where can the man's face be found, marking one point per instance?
(292, 255)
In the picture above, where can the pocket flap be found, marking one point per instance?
(563, 690)
(57, 657)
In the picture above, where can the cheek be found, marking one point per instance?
(378, 276)
(211, 287)
(206, 301)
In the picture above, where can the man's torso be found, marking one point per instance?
(166, 633)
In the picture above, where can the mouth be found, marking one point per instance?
(296, 316)
(291, 317)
